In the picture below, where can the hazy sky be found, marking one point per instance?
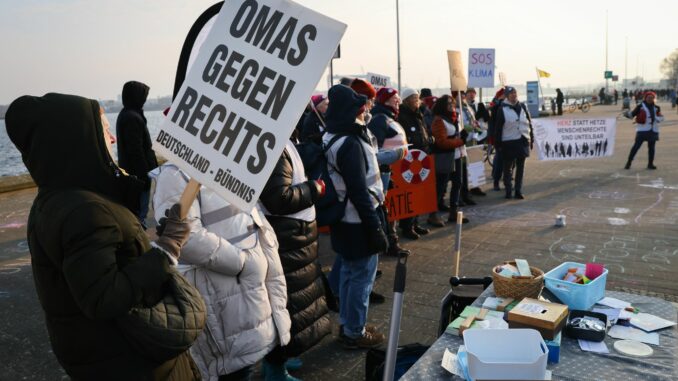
(91, 47)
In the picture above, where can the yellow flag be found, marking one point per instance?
(543, 74)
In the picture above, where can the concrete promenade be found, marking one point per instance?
(625, 219)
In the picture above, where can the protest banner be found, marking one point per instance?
(476, 166)
(414, 186)
(481, 68)
(457, 77)
(571, 139)
(378, 80)
(244, 94)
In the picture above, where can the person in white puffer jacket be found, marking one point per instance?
(232, 259)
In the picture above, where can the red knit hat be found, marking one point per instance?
(384, 94)
(363, 87)
(499, 93)
(648, 93)
(316, 99)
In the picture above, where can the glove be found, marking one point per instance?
(463, 134)
(174, 232)
(320, 186)
(148, 273)
(376, 241)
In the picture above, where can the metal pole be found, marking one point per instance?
(626, 62)
(331, 72)
(396, 314)
(398, 40)
(457, 242)
(606, 67)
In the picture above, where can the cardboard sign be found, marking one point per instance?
(572, 139)
(378, 80)
(476, 166)
(244, 94)
(502, 79)
(457, 76)
(414, 186)
(481, 68)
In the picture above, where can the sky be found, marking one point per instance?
(92, 47)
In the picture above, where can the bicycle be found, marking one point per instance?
(584, 106)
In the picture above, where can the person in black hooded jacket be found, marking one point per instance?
(91, 260)
(135, 152)
(288, 198)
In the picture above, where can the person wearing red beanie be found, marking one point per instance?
(362, 87)
(648, 117)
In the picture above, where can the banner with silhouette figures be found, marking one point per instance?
(574, 139)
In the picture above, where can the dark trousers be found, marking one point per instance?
(243, 374)
(464, 180)
(497, 166)
(645, 136)
(457, 183)
(560, 109)
(509, 162)
(442, 179)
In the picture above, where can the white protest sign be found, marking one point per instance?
(244, 94)
(457, 77)
(378, 80)
(481, 68)
(476, 166)
(502, 79)
(572, 139)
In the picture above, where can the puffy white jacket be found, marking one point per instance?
(232, 258)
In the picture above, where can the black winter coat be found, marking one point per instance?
(135, 152)
(415, 128)
(298, 251)
(312, 128)
(91, 260)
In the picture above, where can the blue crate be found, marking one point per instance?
(576, 296)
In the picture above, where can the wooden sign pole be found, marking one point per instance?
(186, 200)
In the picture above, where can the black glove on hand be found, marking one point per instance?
(148, 274)
(463, 134)
(173, 231)
(376, 241)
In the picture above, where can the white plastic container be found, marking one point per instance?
(506, 354)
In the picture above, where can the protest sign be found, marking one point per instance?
(414, 186)
(481, 68)
(244, 94)
(571, 139)
(476, 166)
(457, 77)
(378, 80)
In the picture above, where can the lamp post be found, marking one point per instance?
(398, 40)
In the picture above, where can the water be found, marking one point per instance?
(10, 158)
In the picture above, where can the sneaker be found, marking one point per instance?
(628, 165)
(367, 340)
(396, 251)
(435, 220)
(477, 192)
(651, 166)
(410, 234)
(376, 298)
(519, 196)
(443, 208)
(421, 231)
(368, 328)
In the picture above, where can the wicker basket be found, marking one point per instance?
(518, 288)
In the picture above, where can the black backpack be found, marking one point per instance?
(329, 210)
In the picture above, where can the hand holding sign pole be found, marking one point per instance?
(244, 93)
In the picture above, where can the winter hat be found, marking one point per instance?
(317, 99)
(425, 93)
(509, 89)
(344, 106)
(363, 87)
(648, 93)
(408, 92)
(430, 101)
(384, 94)
(500, 93)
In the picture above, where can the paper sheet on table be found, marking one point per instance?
(492, 303)
(625, 315)
(649, 322)
(612, 314)
(450, 363)
(613, 302)
(630, 333)
(592, 346)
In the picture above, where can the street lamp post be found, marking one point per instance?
(398, 40)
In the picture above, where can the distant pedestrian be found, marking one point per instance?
(314, 124)
(514, 139)
(135, 152)
(601, 95)
(497, 162)
(616, 96)
(648, 116)
(559, 101)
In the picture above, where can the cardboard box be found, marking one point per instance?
(547, 318)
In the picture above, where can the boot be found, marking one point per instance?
(628, 165)
(395, 250)
(651, 166)
(276, 372)
(453, 217)
(421, 231)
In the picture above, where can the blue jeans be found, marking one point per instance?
(356, 281)
(144, 199)
(335, 275)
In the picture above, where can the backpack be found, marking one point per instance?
(329, 210)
